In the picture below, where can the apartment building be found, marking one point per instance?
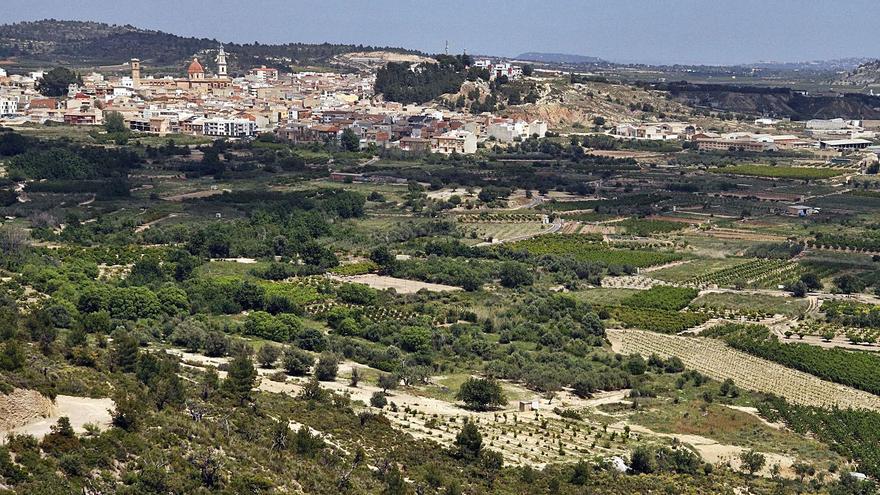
(8, 106)
(230, 128)
(461, 142)
(263, 74)
(508, 131)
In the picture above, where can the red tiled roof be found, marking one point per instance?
(195, 67)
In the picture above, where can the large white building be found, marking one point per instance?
(8, 106)
(233, 128)
(509, 131)
(498, 69)
(838, 128)
(2, 72)
(659, 131)
(461, 142)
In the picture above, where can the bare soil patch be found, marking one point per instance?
(27, 412)
(401, 285)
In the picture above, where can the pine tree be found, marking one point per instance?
(240, 379)
(125, 352)
(468, 442)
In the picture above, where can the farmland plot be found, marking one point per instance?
(685, 272)
(401, 285)
(717, 360)
(755, 273)
(500, 232)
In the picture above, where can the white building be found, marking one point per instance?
(461, 142)
(844, 144)
(233, 128)
(122, 91)
(507, 132)
(483, 64)
(263, 74)
(832, 124)
(499, 69)
(766, 121)
(8, 106)
(660, 131)
(838, 128)
(2, 72)
(505, 69)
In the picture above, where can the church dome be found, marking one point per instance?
(195, 67)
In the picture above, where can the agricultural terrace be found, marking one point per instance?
(756, 273)
(691, 270)
(644, 227)
(655, 320)
(589, 248)
(731, 303)
(852, 368)
(780, 172)
(717, 360)
(662, 297)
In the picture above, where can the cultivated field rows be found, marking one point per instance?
(720, 362)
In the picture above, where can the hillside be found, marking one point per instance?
(866, 74)
(150, 346)
(563, 104)
(52, 31)
(777, 102)
(86, 44)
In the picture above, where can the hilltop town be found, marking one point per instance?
(317, 107)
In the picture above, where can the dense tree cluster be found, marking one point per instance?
(403, 82)
(30, 161)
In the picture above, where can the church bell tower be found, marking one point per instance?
(135, 72)
(221, 62)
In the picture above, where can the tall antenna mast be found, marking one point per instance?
(446, 51)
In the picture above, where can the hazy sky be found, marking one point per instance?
(667, 31)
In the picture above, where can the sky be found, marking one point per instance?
(646, 31)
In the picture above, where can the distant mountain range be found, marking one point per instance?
(88, 44)
(841, 64)
(558, 58)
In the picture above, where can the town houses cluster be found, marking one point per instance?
(302, 107)
(204, 99)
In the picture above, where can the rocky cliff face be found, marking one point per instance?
(20, 407)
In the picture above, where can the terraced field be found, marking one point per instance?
(749, 304)
(684, 272)
(717, 360)
(755, 273)
(804, 173)
(505, 231)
